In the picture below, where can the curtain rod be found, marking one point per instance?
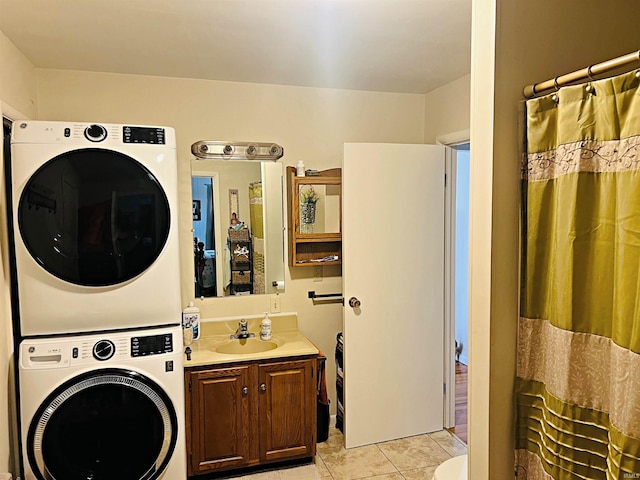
(531, 91)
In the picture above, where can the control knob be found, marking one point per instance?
(104, 350)
(95, 133)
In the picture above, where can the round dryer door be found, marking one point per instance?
(103, 425)
(94, 217)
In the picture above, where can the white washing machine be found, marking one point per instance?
(95, 226)
(103, 407)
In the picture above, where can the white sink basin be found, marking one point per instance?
(246, 346)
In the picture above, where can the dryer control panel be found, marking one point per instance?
(92, 134)
(151, 135)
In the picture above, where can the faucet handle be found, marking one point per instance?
(243, 323)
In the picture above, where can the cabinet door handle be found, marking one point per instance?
(263, 387)
(354, 302)
(245, 391)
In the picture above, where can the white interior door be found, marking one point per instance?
(393, 263)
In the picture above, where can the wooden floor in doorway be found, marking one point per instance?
(460, 429)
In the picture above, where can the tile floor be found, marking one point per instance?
(413, 458)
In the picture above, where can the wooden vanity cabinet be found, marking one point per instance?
(250, 413)
(287, 410)
(219, 418)
(307, 246)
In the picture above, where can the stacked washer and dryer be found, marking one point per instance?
(96, 286)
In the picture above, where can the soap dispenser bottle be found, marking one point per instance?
(191, 319)
(265, 328)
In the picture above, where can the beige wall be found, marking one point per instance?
(17, 81)
(533, 42)
(17, 101)
(312, 125)
(446, 110)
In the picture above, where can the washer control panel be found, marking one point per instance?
(97, 348)
(151, 345)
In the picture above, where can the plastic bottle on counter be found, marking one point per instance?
(191, 319)
(187, 335)
(265, 328)
(300, 169)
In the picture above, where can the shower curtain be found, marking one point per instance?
(257, 231)
(578, 360)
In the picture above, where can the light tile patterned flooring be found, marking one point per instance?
(413, 458)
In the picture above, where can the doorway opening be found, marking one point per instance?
(206, 255)
(458, 285)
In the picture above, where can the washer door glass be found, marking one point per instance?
(104, 425)
(94, 217)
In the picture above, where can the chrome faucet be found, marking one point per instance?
(242, 332)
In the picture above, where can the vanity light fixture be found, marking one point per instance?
(210, 150)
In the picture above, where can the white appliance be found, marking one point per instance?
(94, 226)
(105, 406)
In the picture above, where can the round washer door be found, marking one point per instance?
(103, 425)
(94, 217)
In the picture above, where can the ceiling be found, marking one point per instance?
(408, 46)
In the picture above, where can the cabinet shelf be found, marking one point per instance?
(321, 235)
(319, 239)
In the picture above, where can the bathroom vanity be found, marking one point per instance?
(250, 402)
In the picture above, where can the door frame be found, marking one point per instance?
(217, 229)
(450, 141)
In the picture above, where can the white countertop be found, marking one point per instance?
(214, 333)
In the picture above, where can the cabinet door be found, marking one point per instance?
(220, 408)
(287, 409)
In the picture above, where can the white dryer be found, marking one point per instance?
(95, 226)
(103, 407)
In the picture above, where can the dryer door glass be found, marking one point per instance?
(94, 217)
(105, 425)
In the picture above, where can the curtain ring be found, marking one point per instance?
(555, 84)
(589, 74)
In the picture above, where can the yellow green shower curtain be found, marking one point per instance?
(578, 363)
(257, 231)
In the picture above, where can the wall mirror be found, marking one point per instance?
(238, 232)
(319, 208)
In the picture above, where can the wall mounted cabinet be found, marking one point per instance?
(315, 218)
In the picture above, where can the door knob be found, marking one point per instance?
(245, 391)
(354, 302)
(263, 387)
